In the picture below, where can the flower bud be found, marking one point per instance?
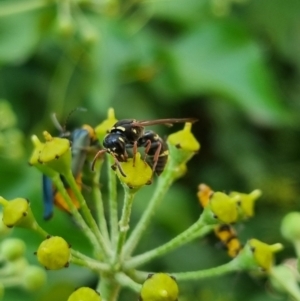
(221, 209)
(159, 287)
(103, 128)
(246, 202)
(17, 212)
(12, 248)
(257, 254)
(33, 278)
(137, 174)
(183, 145)
(54, 253)
(84, 294)
(290, 227)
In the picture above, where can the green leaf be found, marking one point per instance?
(19, 36)
(109, 55)
(220, 59)
(178, 11)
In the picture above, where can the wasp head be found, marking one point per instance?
(116, 144)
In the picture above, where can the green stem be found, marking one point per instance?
(124, 280)
(87, 213)
(90, 265)
(198, 229)
(164, 182)
(98, 201)
(16, 7)
(83, 260)
(297, 247)
(290, 287)
(230, 267)
(38, 229)
(125, 218)
(113, 204)
(109, 289)
(77, 217)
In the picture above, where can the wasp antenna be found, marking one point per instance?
(193, 120)
(99, 153)
(56, 123)
(81, 109)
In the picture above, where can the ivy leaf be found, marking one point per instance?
(219, 59)
(19, 36)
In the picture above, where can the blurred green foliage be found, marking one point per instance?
(234, 65)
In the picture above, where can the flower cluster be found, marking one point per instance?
(61, 159)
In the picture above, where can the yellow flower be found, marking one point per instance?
(257, 254)
(103, 128)
(137, 174)
(184, 139)
(34, 159)
(52, 157)
(17, 213)
(220, 209)
(246, 202)
(56, 154)
(183, 145)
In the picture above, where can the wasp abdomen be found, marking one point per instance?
(156, 150)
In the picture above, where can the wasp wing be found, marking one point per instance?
(166, 121)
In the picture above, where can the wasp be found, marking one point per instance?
(228, 237)
(130, 134)
(82, 141)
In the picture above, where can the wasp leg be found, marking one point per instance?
(156, 156)
(99, 153)
(147, 148)
(118, 165)
(134, 149)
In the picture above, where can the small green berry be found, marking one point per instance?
(159, 287)
(33, 278)
(84, 294)
(54, 253)
(290, 227)
(12, 248)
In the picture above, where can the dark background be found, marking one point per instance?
(234, 65)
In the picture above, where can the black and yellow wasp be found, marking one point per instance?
(130, 134)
